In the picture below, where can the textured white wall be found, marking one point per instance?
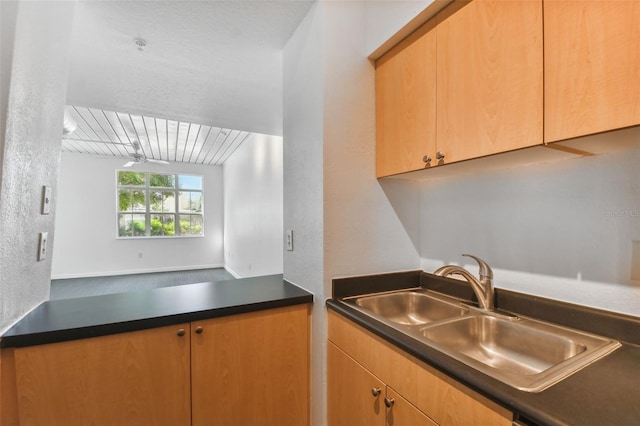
(362, 232)
(562, 230)
(32, 111)
(342, 217)
(86, 243)
(303, 205)
(8, 13)
(253, 204)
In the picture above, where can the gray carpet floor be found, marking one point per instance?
(93, 286)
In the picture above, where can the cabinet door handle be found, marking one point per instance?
(375, 391)
(199, 329)
(439, 155)
(389, 402)
(180, 332)
(426, 159)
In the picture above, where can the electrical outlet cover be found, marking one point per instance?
(290, 240)
(42, 246)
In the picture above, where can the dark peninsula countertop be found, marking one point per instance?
(606, 392)
(70, 319)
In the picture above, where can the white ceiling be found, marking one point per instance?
(216, 63)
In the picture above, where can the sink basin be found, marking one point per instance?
(409, 307)
(505, 345)
(526, 354)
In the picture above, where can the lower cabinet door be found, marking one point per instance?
(136, 378)
(354, 395)
(251, 369)
(401, 412)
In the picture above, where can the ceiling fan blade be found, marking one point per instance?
(151, 160)
(129, 164)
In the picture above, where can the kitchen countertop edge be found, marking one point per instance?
(71, 319)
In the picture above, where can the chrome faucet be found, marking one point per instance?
(483, 288)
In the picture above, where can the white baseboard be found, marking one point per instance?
(229, 270)
(138, 271)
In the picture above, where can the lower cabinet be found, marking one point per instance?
(135, 378)
(237, 370)
(371, 382)
(357, 397)
(252, 369)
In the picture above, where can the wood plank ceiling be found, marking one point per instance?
(110, 133)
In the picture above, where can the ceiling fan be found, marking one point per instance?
(139, 157)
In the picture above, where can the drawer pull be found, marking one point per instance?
(180, 332)
(389, 402)
(199, 330)
(375, 391)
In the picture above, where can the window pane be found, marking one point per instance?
(130, 178)
(155, 201)
(162, 201)
(196, 225)
(190, 224)
(164, 181)
(138, 202)
(162, 225)
(131, 225)
(124, 225)
(189, 182)
(190, 202)
(131, 200)
(169, 204)
(138, 225)
(124, 200)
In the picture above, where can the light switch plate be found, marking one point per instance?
(46, 199)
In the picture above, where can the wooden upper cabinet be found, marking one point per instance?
(592, 67)
(489, 78)
(406, 103)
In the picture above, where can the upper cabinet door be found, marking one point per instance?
(405, 103)
(489, 78)
(592, 66)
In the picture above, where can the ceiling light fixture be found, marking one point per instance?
(69, 124)
(141, 43)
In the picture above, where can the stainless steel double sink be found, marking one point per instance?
(527, 354)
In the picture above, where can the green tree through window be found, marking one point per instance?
(150, 204)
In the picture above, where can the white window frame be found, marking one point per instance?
(148, 189)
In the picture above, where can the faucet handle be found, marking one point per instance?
(485, 269)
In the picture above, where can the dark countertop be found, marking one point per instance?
(70, 319)
(606, 392)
